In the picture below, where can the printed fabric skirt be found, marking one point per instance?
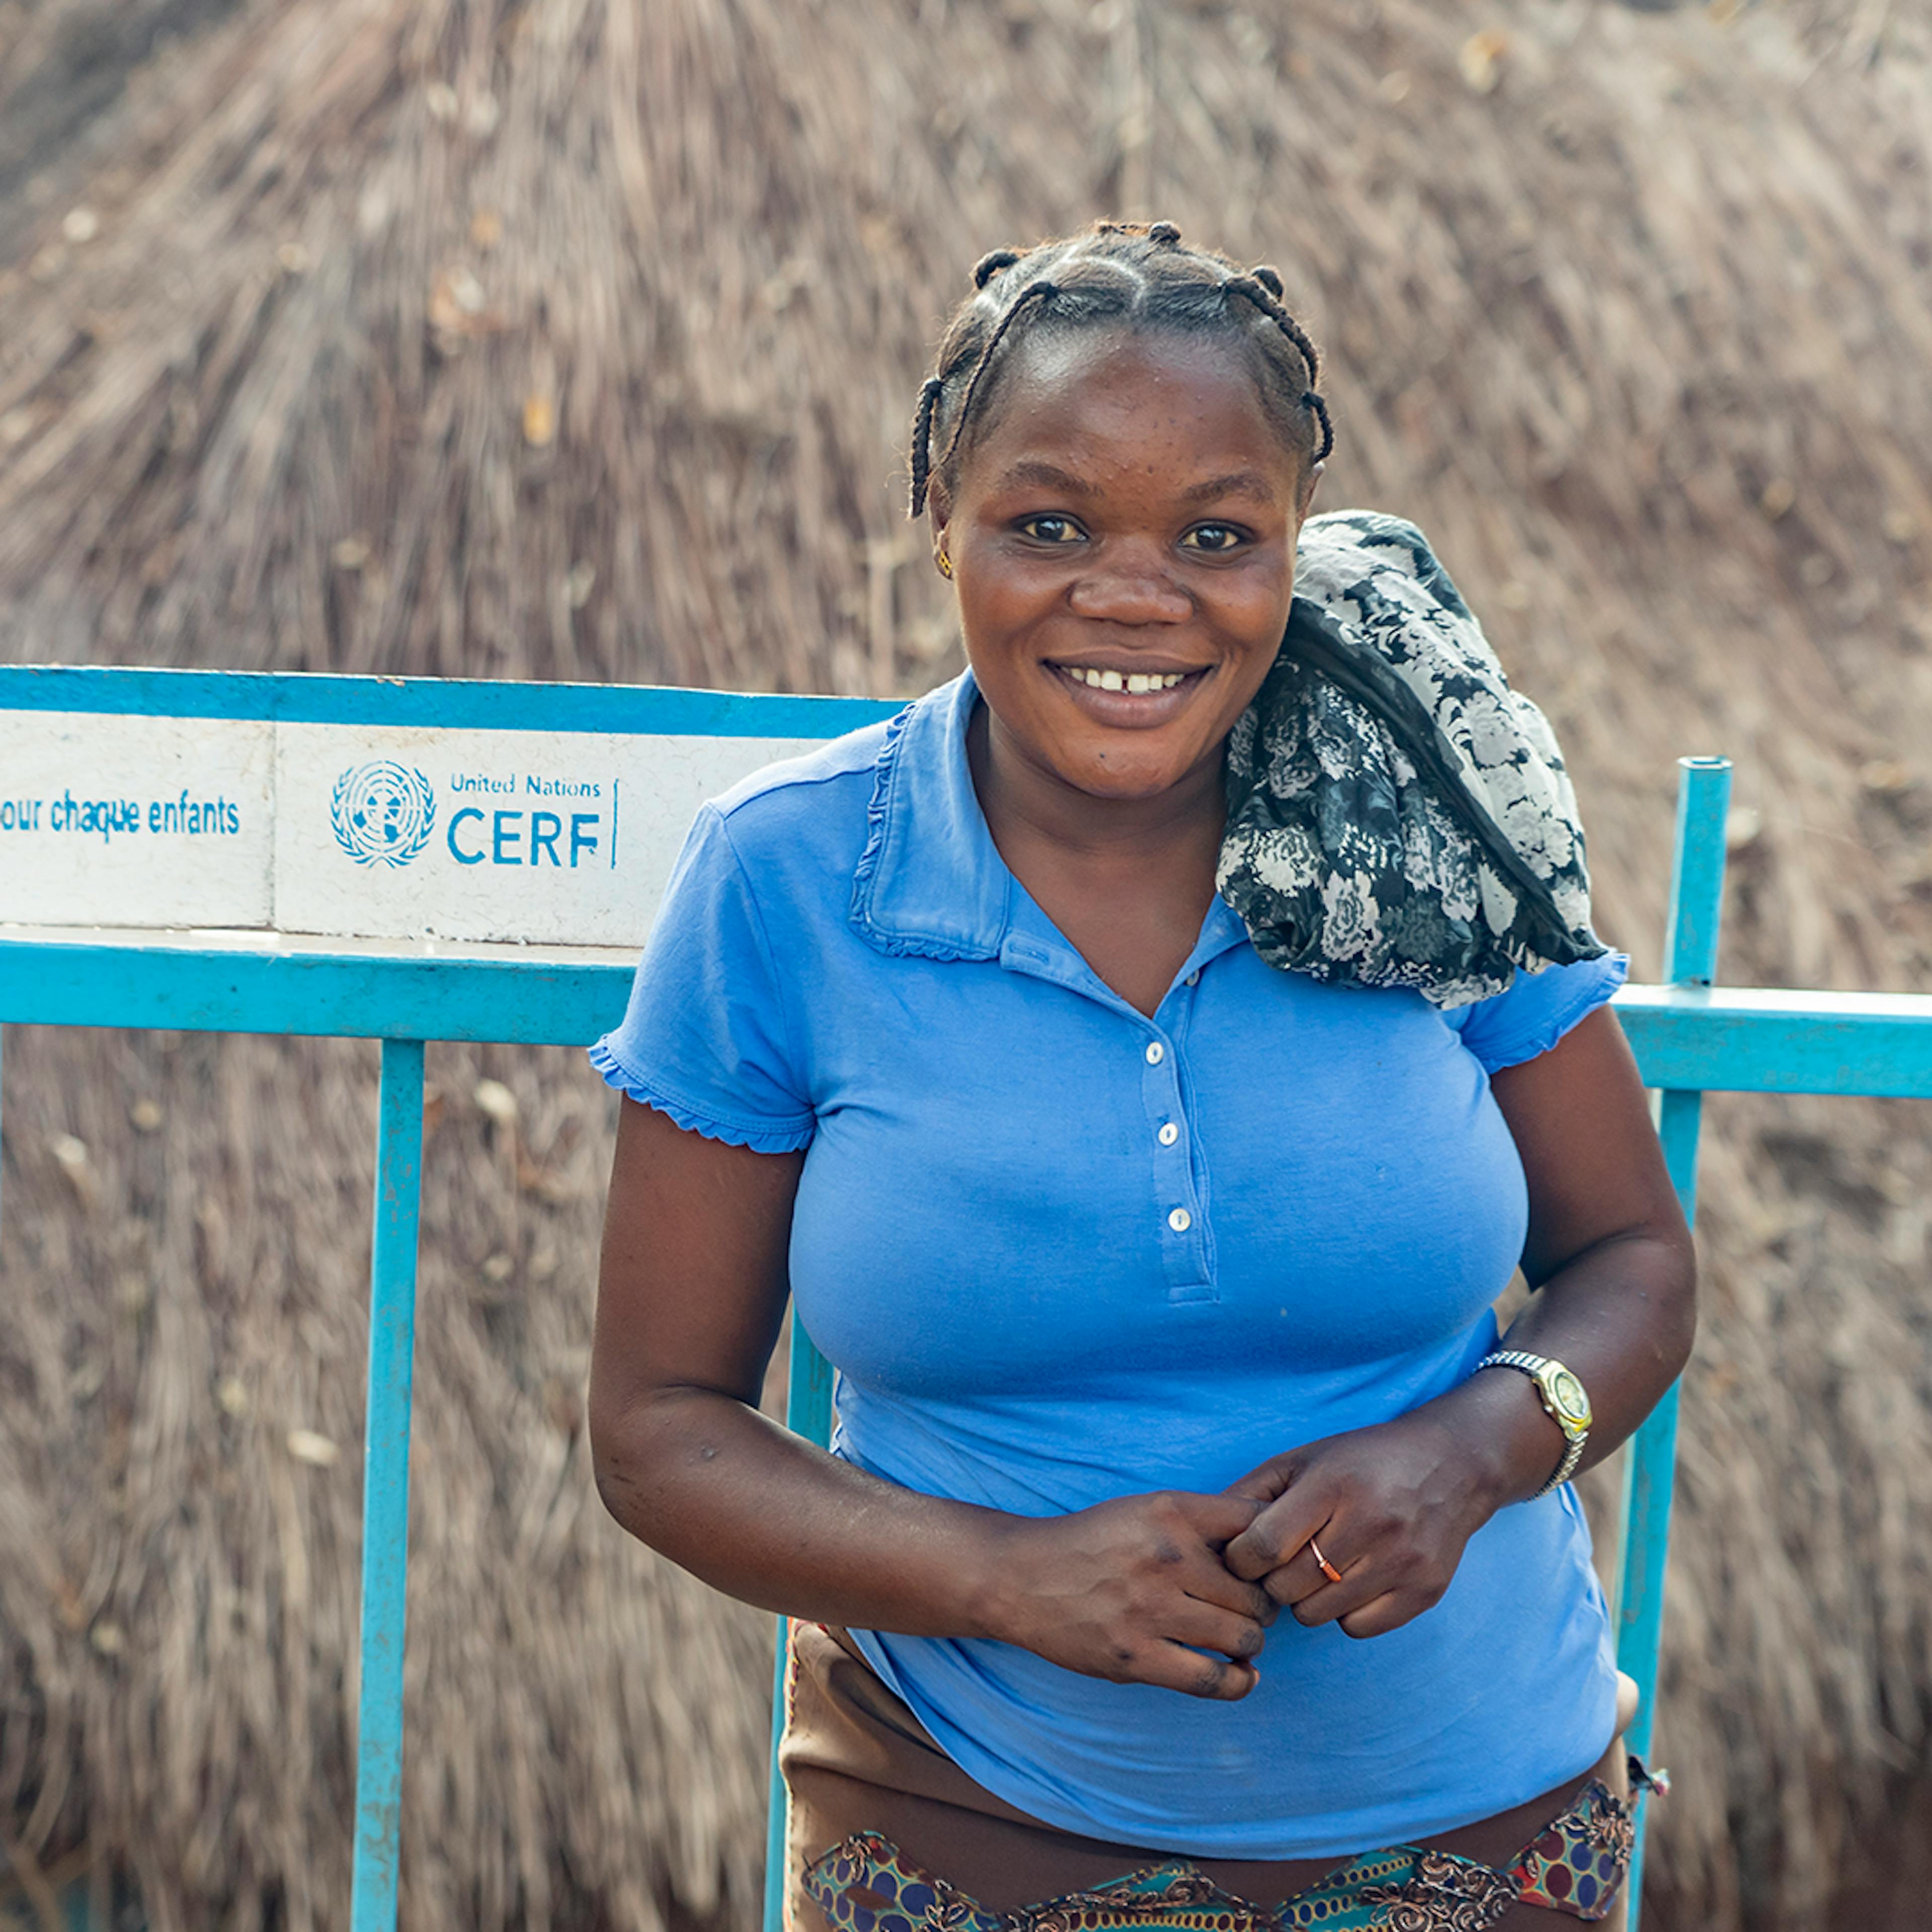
(888, 1834)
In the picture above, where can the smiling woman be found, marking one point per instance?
(1130, 517)
(1158, 1279)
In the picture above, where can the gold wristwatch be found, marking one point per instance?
(1562, 1395)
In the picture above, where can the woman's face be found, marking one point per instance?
(1122, 537)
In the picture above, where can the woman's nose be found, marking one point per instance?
(1129, 590)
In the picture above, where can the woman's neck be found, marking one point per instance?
(1127, 881)
(1026, 806)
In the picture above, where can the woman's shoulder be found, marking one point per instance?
(812, 806)
(1536, 1009)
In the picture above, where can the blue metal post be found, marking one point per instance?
(386, 1488)
(807, 1413)
(808, 1390)
(1690, 959)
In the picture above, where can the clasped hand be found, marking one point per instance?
(1179, 1590)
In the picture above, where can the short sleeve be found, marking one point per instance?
(705, 1038)
(1536, 1009)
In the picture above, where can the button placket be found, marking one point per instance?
(1184, 1248)
(1178, 1202)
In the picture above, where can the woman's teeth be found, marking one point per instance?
(1134, 681)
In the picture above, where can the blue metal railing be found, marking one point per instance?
(386, 1486)
(1650, 1463)
(1690, 1037)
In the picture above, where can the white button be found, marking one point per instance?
(1156, 1053)
(1169, 1134)
(1181, 1220)
(1194, 978)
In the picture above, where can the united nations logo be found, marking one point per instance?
(382, 812)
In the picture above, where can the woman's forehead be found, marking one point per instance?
(1070, 400)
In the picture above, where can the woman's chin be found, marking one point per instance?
(1127, 774)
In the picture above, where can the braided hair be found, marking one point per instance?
(1116, 274)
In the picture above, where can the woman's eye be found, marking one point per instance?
(1050, 529)
(1215, 538)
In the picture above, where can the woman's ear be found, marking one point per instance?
(1306, 493)
(939, 508)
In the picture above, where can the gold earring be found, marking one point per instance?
(945, 564)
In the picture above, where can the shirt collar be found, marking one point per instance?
(930, 881)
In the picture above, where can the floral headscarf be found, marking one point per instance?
(1398, 816)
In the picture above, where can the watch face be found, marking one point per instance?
(1567, 1392)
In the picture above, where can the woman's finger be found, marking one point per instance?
(1388, 1611)
(1302, 1578)
(1264, 1484)
(1173, 1666)
(1215, 1519)
(1369, 1599)
(1274, 1537)
(1208, 1581)
(1207, 1627)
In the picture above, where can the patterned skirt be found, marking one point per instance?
(887, 1834)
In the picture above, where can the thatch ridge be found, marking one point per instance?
(559, 340)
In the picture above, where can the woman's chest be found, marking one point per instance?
(1014, 1183)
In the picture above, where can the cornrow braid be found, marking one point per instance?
(989, 265)
(929, 392)
(1256, 291)
(1251, 288)
(1115, 274)
(1034, 291)
(1315, 404)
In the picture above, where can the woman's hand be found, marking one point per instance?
(1135, 1590)
(1391, 1507)
(692, 1294)
(1609, 1257)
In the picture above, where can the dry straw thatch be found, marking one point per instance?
(574, 339)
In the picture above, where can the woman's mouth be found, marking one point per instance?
(1113, 696)
(1137, 682)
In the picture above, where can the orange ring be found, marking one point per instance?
(1327, 1569)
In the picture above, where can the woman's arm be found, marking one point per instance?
(690, 1297)
(1611, 1259)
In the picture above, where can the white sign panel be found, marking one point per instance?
(113, 820)
(564, 838)
(548, 838)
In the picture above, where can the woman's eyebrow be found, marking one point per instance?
(1032, 473)
(1045, 475)
(1249, 483)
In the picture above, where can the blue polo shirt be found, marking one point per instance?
(1060, 1251)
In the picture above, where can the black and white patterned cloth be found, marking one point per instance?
(1398, 816)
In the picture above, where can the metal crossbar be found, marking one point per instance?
(1690, 1037)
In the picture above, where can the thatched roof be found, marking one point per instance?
(557, 340)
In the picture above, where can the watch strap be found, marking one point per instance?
(1575, 1435)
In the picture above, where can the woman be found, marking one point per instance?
(1158, 1280)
